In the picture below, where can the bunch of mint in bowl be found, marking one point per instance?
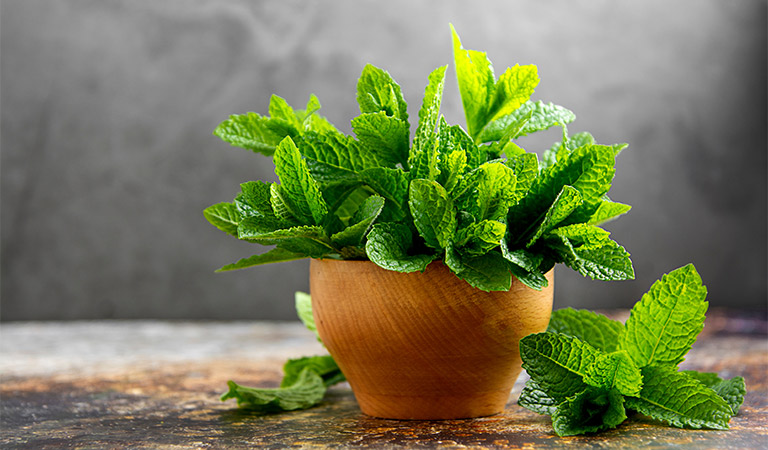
(473, 199)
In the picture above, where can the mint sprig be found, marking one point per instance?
(587, 369)
(471, 197)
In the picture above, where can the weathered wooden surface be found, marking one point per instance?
(156, 385)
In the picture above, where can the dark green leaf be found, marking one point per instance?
(732, 390)
(589, 411)
(367, 213)
(615, 371)
(388, 246)
(273, 256)
(488, 272)
(384, 136)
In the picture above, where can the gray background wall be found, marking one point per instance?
(108, 157)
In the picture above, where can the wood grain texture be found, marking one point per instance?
(424, 345)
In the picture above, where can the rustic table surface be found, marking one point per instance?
(148, 384)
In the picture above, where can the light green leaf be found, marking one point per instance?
(732, 390)
(487, 272)
(680, 400)
(254, 200)
(354, 234)
(489, 191)
(280, 109)
(565, 203)
(388, 246)
(392, 184)
(273, 256)
(480, 237)
(223, 216)
(557, 363)
(588, 250)
(307, 240)
(607, 211)
(529, 118)
(340, 155)
(595, 329)
(300, 190)
(477, 84)
(526, 169)
(249, 131)
(384, 136)
(377, 91)
(433, 212)
(325, 366)
(589, 411)
(615, 371)
(664, 324)
(514, 88)
(303, 302)
(452, 170)
(307, 390)
(429, 113)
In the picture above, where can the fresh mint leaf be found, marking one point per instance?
(340, 155)
(273, 256)
(383, 135)
(324, 366)
(389, 246)
(303, 303)
(588, 250)
(607, 211)
(489, 191)
(452, 170)
(377, 91)
(595, 329)
(525, 266)
(434, 214)
(307, 390)
(528, 118)
(732, 390)
(480, 237)
(477, 84)
(565, 203)
(392, 184)
(254, 200)
(615, 371)
(664, 324)
(526, 169)
(249, 131)
(301, 192)
(367, 213)
(223, 216)
(680, 400)
(307, 240)
(280, 110)
(514, 87)
(425, 139)
(557, 363)
(589, 411)
(487, 272)
(536, 399)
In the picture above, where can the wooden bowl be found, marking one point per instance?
(424, 345)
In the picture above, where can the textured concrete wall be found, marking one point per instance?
(108, 157)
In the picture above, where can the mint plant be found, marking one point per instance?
(472, 197)
(588, 370)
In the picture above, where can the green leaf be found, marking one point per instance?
(452, 170)
(279, 109)
(324, 366)
(254, 200)
(303, 302)
(732, 390)
(588, 250)
(385, 136)
(377, 91)
(300, 190)
(477, 84)
(565, 203)
(392, 184)
(480, 237)
(514, 88)
(595, 329)
(487, 272)
(307, 240)
(529, 118)
(340, 155)
(249, 131)
(489, 191)
(367, 213)
(680, 400)
(389, 246)
(607, 211)
(557, 363)
(589, 169)
(433, 212)
(223, 216)
(589, 411)
(536, 399)
(425, 139)
(273, 256)
(615, 371)
(526, 169)
(664, 324)
(307, 390)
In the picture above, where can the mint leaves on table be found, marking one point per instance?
(471, 197)
(305, 380)
(588, 370)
